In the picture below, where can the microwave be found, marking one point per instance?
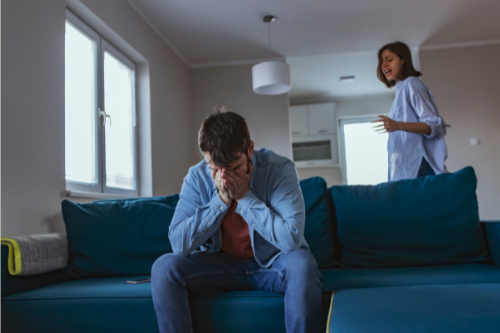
(315, 151)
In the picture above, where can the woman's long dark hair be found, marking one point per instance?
(403, 51)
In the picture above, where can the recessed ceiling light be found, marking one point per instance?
(347, 79)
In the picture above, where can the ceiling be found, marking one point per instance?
(317, 77)
(217, 32)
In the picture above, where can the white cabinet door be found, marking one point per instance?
(298, 120)
(321, 118)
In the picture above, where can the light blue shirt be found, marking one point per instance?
(273, 209)
(414, 103)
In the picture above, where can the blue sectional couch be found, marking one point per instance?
(407, 256)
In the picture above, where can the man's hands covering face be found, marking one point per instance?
(223, 191)
(237, 181)
(232, 184)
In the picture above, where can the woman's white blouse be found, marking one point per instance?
(414, 103)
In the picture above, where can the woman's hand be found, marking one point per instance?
(388, 125)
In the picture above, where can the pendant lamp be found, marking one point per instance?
(271, 77)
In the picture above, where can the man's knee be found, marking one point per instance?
(166, 266)
(302, 263)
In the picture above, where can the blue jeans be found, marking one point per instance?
(425, 169)
(294, 274)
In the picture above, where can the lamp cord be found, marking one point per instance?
(269, 34)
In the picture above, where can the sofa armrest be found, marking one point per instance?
(492, 230)
(16, 284)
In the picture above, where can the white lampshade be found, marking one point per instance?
(271, 78)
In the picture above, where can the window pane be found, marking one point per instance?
(119, 104)
(366, 154)
(80, 122)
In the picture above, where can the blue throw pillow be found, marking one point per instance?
(431, 220)
(116, 237)
(318, 229)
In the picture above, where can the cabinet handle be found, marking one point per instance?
(293, 133)
(323, 131)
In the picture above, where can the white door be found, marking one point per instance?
(298, 120)
(322, 119)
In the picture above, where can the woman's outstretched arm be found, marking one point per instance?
(390, 125)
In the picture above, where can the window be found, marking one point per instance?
(100, 125)
(364, 152)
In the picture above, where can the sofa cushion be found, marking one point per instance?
(350, 278)
(425, 221)
(492, 230)
(116, 237)
(444, 308)
(318, 230)
(111, 305)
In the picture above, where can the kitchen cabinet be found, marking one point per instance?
(321, 119)
(313, 119)
(299, 123)
(314, 135)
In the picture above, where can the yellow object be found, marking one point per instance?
(14, 262)
(329, 315)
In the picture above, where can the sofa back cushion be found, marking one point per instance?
(125, 237)
(116, 237)
(425, 221)
(318, 230)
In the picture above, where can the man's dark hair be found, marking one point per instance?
(403, 51)
(224, 134)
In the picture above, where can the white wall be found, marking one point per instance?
(367, 105)
(466, 85)
(32, 114)
(33, 108)
(267, 116)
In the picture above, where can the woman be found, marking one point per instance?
(416, 146)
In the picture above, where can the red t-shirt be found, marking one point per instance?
(235, 234)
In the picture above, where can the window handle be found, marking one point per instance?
(103, 114)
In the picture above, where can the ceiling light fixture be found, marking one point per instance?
(271, 77)
(347, 79)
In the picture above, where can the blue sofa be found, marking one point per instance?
(407, 256)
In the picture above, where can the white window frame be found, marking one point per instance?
(100, 190)
(350, 120)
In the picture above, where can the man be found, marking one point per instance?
(243, 208)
